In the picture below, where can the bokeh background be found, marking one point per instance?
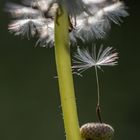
(29, 98)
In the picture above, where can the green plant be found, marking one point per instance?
(60, 23)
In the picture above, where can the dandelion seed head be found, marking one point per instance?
(91, 19)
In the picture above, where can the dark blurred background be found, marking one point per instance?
(29, 97)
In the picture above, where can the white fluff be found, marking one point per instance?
(91, 19)
(85, 59)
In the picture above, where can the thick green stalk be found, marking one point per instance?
(65, 79)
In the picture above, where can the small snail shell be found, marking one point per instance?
(96, 131)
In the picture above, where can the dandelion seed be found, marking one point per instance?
(89, 28)
(84, 59)
(42, 5)
(25, 27)
(19, 11)
(115, 11)
(46, 35)
(96, 24)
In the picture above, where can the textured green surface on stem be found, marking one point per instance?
(63, 64)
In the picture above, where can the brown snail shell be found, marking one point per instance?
(96, 131)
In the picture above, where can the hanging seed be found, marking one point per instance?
(96, 131)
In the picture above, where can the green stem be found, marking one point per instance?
(98, 109)
(65, 79)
